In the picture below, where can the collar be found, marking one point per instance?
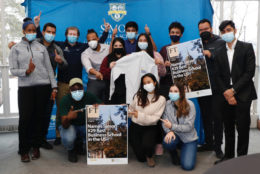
(128, 42)
(233, 46)
(102, 48)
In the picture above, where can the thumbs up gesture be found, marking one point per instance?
(31, 67)
(37, 20)
(57, 57)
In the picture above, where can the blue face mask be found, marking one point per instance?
(77, 95)
(142, 45)
(30, 37)
(174, 96)
(49, 37)
(72, 39)
(130, 35)
(228, 37)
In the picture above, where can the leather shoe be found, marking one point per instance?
(46, 145)
(36, 153)
(205, 147)
(25, 158)
(221, 160)
(219, 154)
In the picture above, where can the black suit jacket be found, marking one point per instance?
(243, 71)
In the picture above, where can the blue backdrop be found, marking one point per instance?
(157, 14)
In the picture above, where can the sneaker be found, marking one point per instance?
(205, 147)
(150, 162)
(35, 153)
(25, 158)
(72, 156)
(46, 145)
(159, 149)
(57, 141)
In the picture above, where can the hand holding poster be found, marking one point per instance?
(107, 134)
(188, 65)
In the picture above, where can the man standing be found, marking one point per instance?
(212, 122)
(235, 65)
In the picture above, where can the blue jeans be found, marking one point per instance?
(69, 135)
(188, 152)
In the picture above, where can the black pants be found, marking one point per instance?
(236, 117)
(212, 120)
(47, 118)
(143, 140)
(98, 88)
(32, 103)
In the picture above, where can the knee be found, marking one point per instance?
(68, 135)
(169, 146)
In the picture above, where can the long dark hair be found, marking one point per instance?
(183, 107)
(112, 57)
(141, 94)
(149, 49)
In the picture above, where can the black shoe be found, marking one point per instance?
(80, 147)
(72, 156)
(219, 154)
(46, 145)
(57, 141)
(221, 160)
(175, 158)
(205, 147)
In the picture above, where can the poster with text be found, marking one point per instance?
(107, 134)
(188, 66)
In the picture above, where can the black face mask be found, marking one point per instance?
(205, 35)
(119, 51)
(175, 38)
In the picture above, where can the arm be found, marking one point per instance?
(165, 116)
(14, 65)
(219, 80)
(64, 63)
(103, 38)
(189, 121)
(112, 39)
(105, 70)
(249, 70)
(161, 67)
(48, 66)
(38, 32)
(147, 31)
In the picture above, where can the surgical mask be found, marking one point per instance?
(30, 37)
(174, 96)
(93, 44)
(205, 35)
(175, 38)
(130, 35)
(72, 39)
(142, 45)
(119, 51)
(228, 37)
(149, 87)
(77, 95)
(49, 37)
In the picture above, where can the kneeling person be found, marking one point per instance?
(73, 117)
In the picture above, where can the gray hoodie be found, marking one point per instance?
(19, 60)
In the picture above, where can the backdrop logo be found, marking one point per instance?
(117, 11)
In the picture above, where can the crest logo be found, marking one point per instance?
(117, 11)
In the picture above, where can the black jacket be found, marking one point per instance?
(243, 71)
(213, 45)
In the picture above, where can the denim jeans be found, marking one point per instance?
(188, 152)
(69, 135)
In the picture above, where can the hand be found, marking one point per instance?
(133, 113)
(112, 64)
(232, 101)
(167, 63)
(107, 26)
(11, 44)
(170, 136)
(99, 75)
(158, 61)
(114, 31)
(228, 94)
(73, 114)
(207, 53)
(54, 94)
(167, 123)
(57, 57)
(147, 29)
(30, 68)
(37, 20)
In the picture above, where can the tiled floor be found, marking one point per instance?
(55, 161)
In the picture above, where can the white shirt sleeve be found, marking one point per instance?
(85, 60)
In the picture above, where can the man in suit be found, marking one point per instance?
(235, 67)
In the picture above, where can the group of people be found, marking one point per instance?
(160, 113)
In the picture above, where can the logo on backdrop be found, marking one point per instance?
(117, 11)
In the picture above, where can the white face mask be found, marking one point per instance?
(149, 87)
(142, 45)
(93, 44)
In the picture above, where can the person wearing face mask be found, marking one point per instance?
(118, 51)
(235, 70)
(29, 61)
(144, 44)
(91, 59)
(145, 110)
(178, 124)
(73, 118)
(212, 119)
